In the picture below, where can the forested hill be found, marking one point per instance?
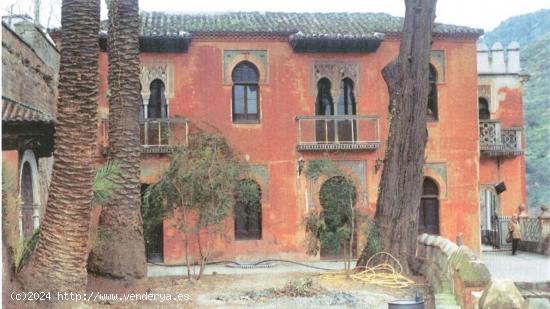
(532, 31)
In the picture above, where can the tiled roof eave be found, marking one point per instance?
(441, 35)
(336, 43)
(16, 112)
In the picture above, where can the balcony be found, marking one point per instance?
(159, 135)
(497, 142)
(330, 133)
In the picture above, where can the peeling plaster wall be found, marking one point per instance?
(201, 95)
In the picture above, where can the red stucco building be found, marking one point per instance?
(289, 88)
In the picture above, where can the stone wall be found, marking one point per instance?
(451, 269)
(26, 78)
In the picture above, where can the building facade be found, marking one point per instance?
(287, 89)
(502, 163)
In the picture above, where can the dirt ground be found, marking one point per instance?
(279, 290)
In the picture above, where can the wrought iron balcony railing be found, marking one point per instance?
(495, 141)
(157, 135)
(346, 132)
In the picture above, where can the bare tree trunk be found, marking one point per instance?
(59, 261)
(401, 184)
(122, 253)
(352, 233)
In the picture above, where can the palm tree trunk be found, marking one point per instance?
(59, 261)
(121, 254)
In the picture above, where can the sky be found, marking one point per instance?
(484, 14)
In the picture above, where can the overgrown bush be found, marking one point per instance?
(333, 227)
(199, 188)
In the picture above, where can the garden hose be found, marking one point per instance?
(383, 274)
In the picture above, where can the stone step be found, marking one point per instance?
(538, 303)
(447, 306)
(445, 299)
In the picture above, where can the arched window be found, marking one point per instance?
(248, 210)
(428, 220)
(483, 106)
(346, 100)
(324, 128)
(324, 105)
(27, 209)
(432, 96)
(157, 101)
(246, 99)
(347, 128)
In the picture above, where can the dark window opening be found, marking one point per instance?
(157, 107)
(324, 129)
(246, 98)
(428, 220)
(152, 229)
(432, 96)
(248, 210)
(27, 201)
(347, 129)
(484, 112)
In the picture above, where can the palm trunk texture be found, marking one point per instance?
(400, 187)
(121, 251)
(59, 261)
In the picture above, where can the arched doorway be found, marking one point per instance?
(29, 218)
(248, 211)
(337, 197)
(428, 220)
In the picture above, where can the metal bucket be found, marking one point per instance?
(406, 304)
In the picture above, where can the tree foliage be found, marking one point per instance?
(333, 227)
(105, 182)
(199, 188)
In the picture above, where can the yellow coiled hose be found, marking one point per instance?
(383, 274)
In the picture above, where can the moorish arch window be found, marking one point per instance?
(347, 128)
(246, 98)
(248, 210)
(157, 107)
(432, 113)
(428, 219)
(324, 106)
(483, 109)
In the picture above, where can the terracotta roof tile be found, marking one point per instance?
(13, 111)
(308, 24)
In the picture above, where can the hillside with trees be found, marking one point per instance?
(532, 31)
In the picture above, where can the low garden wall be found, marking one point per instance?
(451, 269)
